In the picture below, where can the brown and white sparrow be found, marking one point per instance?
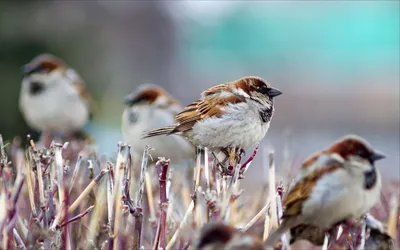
(231, 116)
(149, 107)
(216, 236)
(53, 97)
(334, 185)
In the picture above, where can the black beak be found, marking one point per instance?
(376, 156)
(128, 100)
(274, 92)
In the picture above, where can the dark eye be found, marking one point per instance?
(363, 153)
(263, 89)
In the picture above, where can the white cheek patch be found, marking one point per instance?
(239, 91)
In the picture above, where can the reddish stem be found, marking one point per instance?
(162, 170)
(77, 217)
(244, 166)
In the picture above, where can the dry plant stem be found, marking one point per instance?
(59, 171)
(262, 212)
(361, 239)
(39, 178)
(248, 162)
(181, 226)
(196, 182)
(20, 243)
(66, 236)
(326, 242)
(30, 185)
(279, 195)
(150, 197)
(78, 216)
(137, 234)
(392, 221)
(75, 173)
(271, 198)
(87, 190)
(94, 225)
(206, 169)
(121, 164)
(110, 189)
(162, 171)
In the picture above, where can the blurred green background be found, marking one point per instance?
(336, 62)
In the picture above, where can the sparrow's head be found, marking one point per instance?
(352, 147)
(42, 71)
(256, 89)
(220, 236)
(215, 233)
(150, 95)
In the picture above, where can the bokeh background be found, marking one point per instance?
(337, 63)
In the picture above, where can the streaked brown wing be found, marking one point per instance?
(201, 109)
(302, 190)
(216, 89)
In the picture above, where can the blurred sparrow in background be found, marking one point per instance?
(150, 107)
(335, 185)
(216, 236)
(229, 117)
(53, 97)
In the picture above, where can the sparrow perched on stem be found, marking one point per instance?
(150, 107)
(228, 117)
(53, 97)
(338, 184)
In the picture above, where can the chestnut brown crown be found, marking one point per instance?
(352, 145)
(44, 63)
(148, 94)
(251, 84)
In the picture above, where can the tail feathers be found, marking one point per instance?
(159, 131)
(283, 228)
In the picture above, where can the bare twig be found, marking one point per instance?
(78, 216)
(87, 190)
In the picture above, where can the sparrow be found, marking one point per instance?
(53, 96)
(149, 107)
(334, 185)
(229, 117)
(216, 236)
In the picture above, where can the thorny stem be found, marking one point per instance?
(162, 171)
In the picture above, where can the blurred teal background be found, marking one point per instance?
(336, 62)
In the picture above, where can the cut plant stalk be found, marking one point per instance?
(162, 171)
(271, 199)
(137, 234)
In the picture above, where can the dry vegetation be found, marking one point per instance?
(68, 196)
